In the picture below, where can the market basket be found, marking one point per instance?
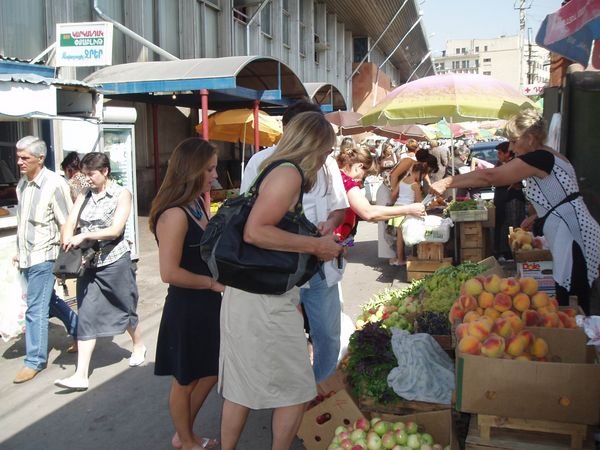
(469, 215)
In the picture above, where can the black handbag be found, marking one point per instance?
(244, 266)
(71, 264)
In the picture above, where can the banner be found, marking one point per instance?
(84, 44)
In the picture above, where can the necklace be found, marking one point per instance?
(197, 210)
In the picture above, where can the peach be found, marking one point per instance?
(479, 311)
(540, 299)
(473, 287)
(516, 345)
(508, 313)
(516, 323)
(470, 345)
(529, 285)
(467, 302)
(471, 316)
(571, 312)
(553, 305)
(492, 313)
(503, 327)
(531, 318)
(479, 329)
(493, 346)
(488, 319)
(462, 331)
(486, 299)
(539, 348)
(550, 320)
(523, 357)
(528, 336)
(492, 283)
(510, 286)
(521, 301)
(456, 313)
(502, 302)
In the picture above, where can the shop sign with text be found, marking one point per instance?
(84, 44)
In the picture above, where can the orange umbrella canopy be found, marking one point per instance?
(237, 125)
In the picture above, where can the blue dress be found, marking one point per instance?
(188, 336)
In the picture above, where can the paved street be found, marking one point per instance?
(126, 408)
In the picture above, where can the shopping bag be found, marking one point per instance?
(13, 304)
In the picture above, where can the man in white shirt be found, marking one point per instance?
(324, 206)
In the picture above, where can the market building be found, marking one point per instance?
(353, 53)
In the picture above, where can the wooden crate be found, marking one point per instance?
(523, 434)
(472, 254)
(430, 250)
(471, 235)
(420, 268)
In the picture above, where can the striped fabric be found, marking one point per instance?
(43, 207)
(99, 213)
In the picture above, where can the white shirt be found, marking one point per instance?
(326, 196)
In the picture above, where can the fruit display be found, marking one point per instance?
(519, 239)
(441, 288)
(517, 300)
(395, 308)
(500, 338)
(379, 434)
(433, 323)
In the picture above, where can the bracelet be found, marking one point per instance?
(211, 284)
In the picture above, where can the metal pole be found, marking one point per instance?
(256, 126)
(252, 19)
(417, 68)
(155, 147)
(204, 106)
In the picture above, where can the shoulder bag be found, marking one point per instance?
(244, 266)
(70, 263)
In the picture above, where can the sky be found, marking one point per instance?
(479, 19)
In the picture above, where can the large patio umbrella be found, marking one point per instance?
(346, 122)
(451, 97)
(418, 132)
(237, 125)
(571, 30)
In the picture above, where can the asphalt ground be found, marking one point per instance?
(126, 408)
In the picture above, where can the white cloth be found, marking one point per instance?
(406, 194)
(327, 195)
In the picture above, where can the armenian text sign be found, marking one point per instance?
(84, 44)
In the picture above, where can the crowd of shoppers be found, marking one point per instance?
(254, 345)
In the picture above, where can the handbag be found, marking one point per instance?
(70, 263)
(244, 266)
(538, 223)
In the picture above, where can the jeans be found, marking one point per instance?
(43, 302)
(323, 309)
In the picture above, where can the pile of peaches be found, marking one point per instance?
(519, 239)
(492, 313)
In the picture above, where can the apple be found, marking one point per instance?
(426, 438)
(401, 437)
(373, 441)
(388, 441)
(381, 427)
(347, 444)
(340, 429)
(374, 420)
(413, 441)
(362, 424)
(398, 426)
(412, 427)
(358, 434)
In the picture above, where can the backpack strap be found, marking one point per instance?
(253, 191)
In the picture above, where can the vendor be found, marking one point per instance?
(551, 187)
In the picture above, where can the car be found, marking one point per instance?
(485, 151)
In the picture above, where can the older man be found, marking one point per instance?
(44, 203)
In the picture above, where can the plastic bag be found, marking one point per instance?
(425, 229)
(591, 326)
(425, 372)
(347, 328)
(13, 303)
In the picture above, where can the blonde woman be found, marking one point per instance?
(188, 336)
(570, 230)
(264, 361)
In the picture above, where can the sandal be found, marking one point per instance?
(209, 442)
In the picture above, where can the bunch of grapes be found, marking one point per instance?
(432, 323)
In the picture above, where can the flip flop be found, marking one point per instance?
(209, 443)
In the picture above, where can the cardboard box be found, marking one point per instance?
(564, 390)
(492, 266)
(316, 432)
(537, 254)
(541, 271)
(436, 423)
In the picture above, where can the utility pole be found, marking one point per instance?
(523, 6)
(530, 65)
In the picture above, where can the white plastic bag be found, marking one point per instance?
(425, 229)
(425, 372)
(13, 303)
